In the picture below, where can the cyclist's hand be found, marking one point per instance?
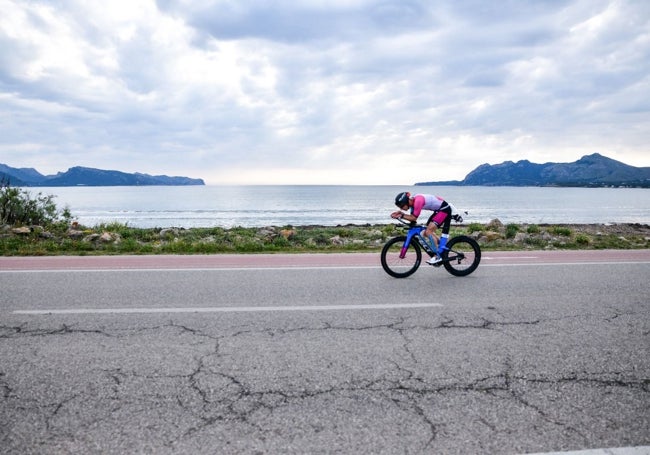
(396, 215)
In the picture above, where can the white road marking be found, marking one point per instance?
(243, 309)
(555, 264)
(233, 268)
(641, 450)
(509, 257)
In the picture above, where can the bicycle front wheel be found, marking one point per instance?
(396, 266)
(462, 255)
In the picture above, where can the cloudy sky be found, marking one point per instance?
(321, 91)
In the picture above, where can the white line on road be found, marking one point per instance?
(555, 264)
(509, 257)
(234, 268)
(641, 450)
(243, 309)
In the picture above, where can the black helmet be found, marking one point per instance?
(402, 199)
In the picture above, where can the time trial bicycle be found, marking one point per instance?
(402, 255)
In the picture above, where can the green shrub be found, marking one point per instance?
(582, 239)
(536, 242)
(511, 230)
(474, 227)
(321, 239)
(343, 232)
(561, 230)
(248, 246)
(280, 242)
(19, 207)
(533, 229)
(389, 230)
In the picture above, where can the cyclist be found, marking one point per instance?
(441, 217)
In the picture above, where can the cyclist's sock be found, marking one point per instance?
(443, 242)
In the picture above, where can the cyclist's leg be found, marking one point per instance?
(430, 232)
(443, 218)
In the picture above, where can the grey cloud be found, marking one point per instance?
(505, 12)
(299, 21)
(366, 76)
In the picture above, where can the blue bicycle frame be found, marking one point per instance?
(414, 232)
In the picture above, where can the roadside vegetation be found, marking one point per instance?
(34, 226)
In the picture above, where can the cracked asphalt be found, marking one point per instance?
(526, 358)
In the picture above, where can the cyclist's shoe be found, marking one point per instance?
(436, 260)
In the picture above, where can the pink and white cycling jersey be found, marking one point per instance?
(426, 202)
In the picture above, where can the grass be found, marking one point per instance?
(115, 238)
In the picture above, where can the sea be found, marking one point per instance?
(332, 205)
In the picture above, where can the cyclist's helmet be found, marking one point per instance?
(402, 199)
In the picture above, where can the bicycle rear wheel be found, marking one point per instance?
(462, 255)
(396, 266)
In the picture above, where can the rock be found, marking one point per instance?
(336, 240)
(546, 237)
(491, 236)
(520, 237)
(106, 237)
(494, 225)
(168, 232)
(75, 234)
(288, 233)
(268, 233)
(23, 230)
(90, 238)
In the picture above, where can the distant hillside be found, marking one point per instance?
(84, 176)
(589, 171)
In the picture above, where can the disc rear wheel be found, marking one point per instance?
(462, 255)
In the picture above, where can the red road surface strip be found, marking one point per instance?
(218, 261)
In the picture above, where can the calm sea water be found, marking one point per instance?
(253, 206)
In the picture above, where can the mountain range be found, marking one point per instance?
(85, 176)
(593, 170)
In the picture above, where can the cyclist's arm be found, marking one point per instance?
(409, 217)
(406, 216)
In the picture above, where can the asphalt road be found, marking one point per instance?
(531, 353)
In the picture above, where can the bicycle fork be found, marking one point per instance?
(423, 243)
